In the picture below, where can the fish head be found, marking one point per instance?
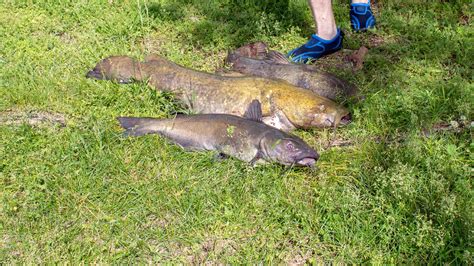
(305, 109)
(288, 150)
(122, 69)
(326, 115)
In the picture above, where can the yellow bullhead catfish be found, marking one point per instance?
(255, 59)
(245, 138)
(284, 106)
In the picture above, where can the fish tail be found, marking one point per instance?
(135, 126)
(256, 50)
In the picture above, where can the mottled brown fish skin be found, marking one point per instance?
(248, 140)
(304, 76)
(208, 93)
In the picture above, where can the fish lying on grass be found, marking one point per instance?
(254, 59)
(284, 105)
(247, 139)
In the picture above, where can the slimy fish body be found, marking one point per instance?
(247, 139)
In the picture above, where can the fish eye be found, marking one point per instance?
(290, 146)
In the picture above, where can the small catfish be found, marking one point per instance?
(245, 138)
(283, 105)
(254, 59)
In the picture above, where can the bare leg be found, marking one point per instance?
(324, 18)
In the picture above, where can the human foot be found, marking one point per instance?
(361, 15)
(315, 48)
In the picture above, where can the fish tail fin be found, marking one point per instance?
(277, 58)
(260, 48)
(256, 50)
(135, 126)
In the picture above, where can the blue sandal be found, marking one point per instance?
(362, 17)
(315, 48)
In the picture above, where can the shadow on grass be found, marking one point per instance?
(238, 21)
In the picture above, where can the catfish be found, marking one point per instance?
(246, 138)
(255, 59)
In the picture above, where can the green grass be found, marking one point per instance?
(82, 193)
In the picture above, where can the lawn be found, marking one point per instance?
(72, 189)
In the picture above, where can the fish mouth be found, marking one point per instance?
(346, 119)
(308, 158)
(95, 74)
(331, 122)
(308, 161)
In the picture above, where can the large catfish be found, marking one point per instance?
(284, 105)
(247, 139)
(255, 59)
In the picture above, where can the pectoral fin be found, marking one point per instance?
(279, 120)
(256, 159)
(254, 111)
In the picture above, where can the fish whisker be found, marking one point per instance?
(287, 169)
(331, 139)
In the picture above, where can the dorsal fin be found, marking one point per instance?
(277, 58)
(254, 111)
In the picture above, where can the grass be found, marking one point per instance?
(82, 193)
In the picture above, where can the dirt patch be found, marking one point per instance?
(7, 242)
(199, 253)
(457, 126)
(65, 37)
(335, 60)
(299, 258)
(158, 222)
(217, 247)
(375, 41)
(32, 118)
(301, 252)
